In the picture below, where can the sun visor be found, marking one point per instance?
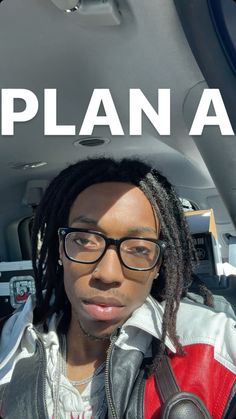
(203, 229)
(202, 221)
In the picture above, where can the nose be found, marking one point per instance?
(109, 268)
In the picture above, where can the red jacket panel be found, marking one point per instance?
(199, 373)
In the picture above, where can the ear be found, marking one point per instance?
(61, 251)
(158, 267)
(155, 272)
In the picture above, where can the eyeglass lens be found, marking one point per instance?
(88, 247)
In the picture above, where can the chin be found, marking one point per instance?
(98, 333)
(99, 329)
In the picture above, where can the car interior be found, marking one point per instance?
(77, 47)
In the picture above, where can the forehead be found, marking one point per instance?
(120, 202)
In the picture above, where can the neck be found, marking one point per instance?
(83, 349)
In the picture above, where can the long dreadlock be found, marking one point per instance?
(177, 265)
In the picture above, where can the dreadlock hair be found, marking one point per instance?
(176, 269)
(199, 287)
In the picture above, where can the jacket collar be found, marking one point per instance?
(136, 333)
(145, 323)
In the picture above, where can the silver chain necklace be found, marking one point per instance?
(61, 369)
(83, 380)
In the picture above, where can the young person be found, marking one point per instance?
(112, 258)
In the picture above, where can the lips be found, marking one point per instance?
(101, 308)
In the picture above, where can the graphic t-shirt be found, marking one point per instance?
(90, 404)
(63, 400)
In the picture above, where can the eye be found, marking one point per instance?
(83, 242)
(139, 250)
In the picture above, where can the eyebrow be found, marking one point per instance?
(142, 229)
(84, 219)
(135, 229)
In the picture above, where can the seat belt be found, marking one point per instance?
(177, 404)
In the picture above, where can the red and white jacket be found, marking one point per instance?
(208, 368)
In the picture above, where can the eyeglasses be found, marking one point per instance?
(88, 246)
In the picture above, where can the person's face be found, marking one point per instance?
(104, 294)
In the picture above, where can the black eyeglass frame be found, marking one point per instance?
(64, 231)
